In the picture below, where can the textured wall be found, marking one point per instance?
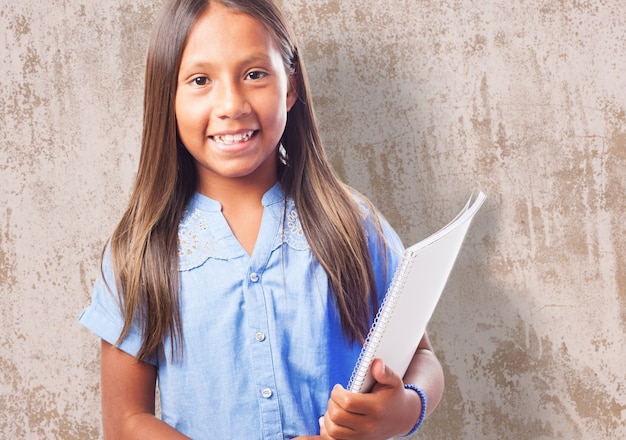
(419, 101)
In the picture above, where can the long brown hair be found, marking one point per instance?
(144, 246)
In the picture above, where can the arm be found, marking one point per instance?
(425, 371)
(390, 409)
(128, 393)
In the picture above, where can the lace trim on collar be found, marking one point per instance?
(291, 231)
(197, 242)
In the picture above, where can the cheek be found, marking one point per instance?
(179, 114)
(274, 108)
(189, 119)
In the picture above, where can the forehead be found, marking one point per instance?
(221, 27)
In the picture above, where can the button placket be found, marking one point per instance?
(264, 377)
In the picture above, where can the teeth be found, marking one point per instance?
(229, 139)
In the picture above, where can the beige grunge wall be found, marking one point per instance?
(419, 101)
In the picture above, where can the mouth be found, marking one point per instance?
(230, 139)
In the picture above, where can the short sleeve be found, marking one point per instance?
(104, 317)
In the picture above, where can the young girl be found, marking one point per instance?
(243, 276)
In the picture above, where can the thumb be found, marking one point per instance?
(384, 375)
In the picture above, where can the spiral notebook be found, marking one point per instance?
(412, 297)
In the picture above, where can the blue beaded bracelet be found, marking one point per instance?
(423, 398)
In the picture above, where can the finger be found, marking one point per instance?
(384, 375)
(342, 399)
(346, 408)
(330, 430)
(343, 407)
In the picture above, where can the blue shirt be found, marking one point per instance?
(263, 344)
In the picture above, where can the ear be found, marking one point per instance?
(292, 90)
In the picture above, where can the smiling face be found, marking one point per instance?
(232, 99)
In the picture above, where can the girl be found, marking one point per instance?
(243, 275)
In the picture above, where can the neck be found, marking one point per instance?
(236, 192)
(241, 206)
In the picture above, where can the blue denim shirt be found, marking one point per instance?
(263, 344)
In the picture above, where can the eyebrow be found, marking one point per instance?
(199, 63)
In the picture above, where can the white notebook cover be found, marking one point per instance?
(412, 297)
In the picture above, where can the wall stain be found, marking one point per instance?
(134, 22)
(327, 9)
(10, 402)
(48, 419)
(520, 358)
(616, 164)
(481, 125)
(20, 25)
(475, 46)
(7, 256)
(582, 386)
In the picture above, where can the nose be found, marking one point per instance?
(231, 100)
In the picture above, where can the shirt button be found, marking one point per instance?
(254, 277)
(260, 336)
(266, 392)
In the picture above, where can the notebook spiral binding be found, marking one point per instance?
(366, 357)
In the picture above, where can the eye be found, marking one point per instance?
(256, 74)
(200, 81)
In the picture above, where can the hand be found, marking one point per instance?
(389, 410)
